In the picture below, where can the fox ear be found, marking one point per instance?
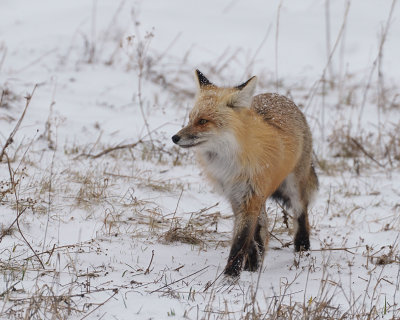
(245, 93)
(202, 81)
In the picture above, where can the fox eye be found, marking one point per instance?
(203, 121)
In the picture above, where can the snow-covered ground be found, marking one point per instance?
(102, 217)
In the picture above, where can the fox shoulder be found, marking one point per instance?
(278, 111)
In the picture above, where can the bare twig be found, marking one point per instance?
(37, 60)
(3, 94)
(47, 134)
(80, 294)
(12, 134)
(328, 34)
(249, 66)
(11, 225)
(101, 304)
(338, 249)
(359, 146)
(376, 61)
(281, 242)
(285, 215)
(3, 57)
(315, 87)
(254, 296)
(92, 44)
(151, 260)
(13, 185)
(276, 45)
(188, 276)
(111, 25)
(108, 150)
(9, 288)
(49, 197)
(119, 147)
(142, 49)
(51, 251)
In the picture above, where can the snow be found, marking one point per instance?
(99, 224)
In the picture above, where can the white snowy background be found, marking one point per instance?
(102, 217)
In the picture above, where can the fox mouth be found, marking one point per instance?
(191, 145)
(187, 141)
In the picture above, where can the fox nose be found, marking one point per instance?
(176, 138)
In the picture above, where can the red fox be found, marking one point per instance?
(252, 148)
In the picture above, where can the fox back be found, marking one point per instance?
(252, 148)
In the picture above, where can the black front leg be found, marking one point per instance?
(256, 251)
(238, 251)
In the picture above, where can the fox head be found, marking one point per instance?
(214, 113)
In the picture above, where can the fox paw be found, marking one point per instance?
(252, 262)
(301, 243)
(233, 268)
(227, 281)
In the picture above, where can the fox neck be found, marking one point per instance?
(221, 158)
(221, 161)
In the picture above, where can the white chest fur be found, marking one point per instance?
(220, 156)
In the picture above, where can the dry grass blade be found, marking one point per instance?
(184, 235)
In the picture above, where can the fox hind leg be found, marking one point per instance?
(295, 195)
(302, 236)
(307, 188)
